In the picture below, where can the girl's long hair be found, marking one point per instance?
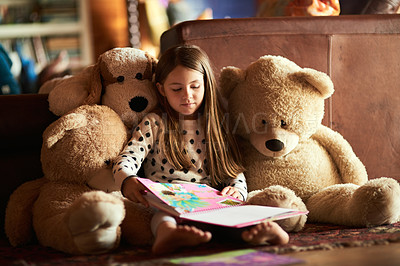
(223, 158)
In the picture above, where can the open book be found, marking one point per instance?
(202, 203)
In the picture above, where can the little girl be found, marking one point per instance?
(186, 140)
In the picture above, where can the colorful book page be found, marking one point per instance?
(187, 198)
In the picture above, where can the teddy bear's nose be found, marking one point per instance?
(274, 145)
(138, 103)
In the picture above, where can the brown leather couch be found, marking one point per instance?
(360, 53)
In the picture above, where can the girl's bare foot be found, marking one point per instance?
(266, 232)
(171, 237)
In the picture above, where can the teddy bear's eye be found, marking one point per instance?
(139, 76)
(120, 78)
(264, 122)
(283, 123)
(107, 162)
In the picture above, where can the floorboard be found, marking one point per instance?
(382, 255)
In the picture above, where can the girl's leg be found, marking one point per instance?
(263, 233)
(266, 232)
(158, 218)
(169, 236)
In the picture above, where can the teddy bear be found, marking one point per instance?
(121, 79)
(291, 159)
(75, 207)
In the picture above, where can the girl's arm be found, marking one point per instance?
(236, 184)
(130, 159)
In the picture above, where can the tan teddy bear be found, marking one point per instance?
(66, 209)
(121, 79)
(291, 159)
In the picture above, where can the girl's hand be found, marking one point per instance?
(134, 190)
(232, 191)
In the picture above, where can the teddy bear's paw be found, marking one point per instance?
(95, 224)
(379, 200)
(278, 196)
(275, 196)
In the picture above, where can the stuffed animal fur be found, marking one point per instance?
(121, 79)
(69, 208)
(291, 159)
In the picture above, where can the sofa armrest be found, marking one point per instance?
(23, 118)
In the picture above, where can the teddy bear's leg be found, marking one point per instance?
(72, 219)
(94, 222)
(49, 215)
(330, 205)
(18, 218)
(278, 196)
(375, 203)
(136, 225)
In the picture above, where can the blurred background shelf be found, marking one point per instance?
(66, 18)
(9, 31)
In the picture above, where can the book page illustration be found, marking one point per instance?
(187, 198)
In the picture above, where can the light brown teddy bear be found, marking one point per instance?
(121, 79)
(291, 159)
(66, 209)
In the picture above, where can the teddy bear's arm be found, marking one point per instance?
(350, 167)
(18, 218)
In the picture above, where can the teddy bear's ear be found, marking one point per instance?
(70, 92)
(229, 78)
(96, 85)
(49, 85)
(151, 67)
(57, 130)
(321, 81)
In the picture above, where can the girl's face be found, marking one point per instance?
(184, 90)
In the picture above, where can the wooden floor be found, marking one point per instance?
(378, 255)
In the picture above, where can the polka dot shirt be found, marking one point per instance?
(143, 148)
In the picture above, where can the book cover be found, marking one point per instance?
(202, 203)
(251, 257)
